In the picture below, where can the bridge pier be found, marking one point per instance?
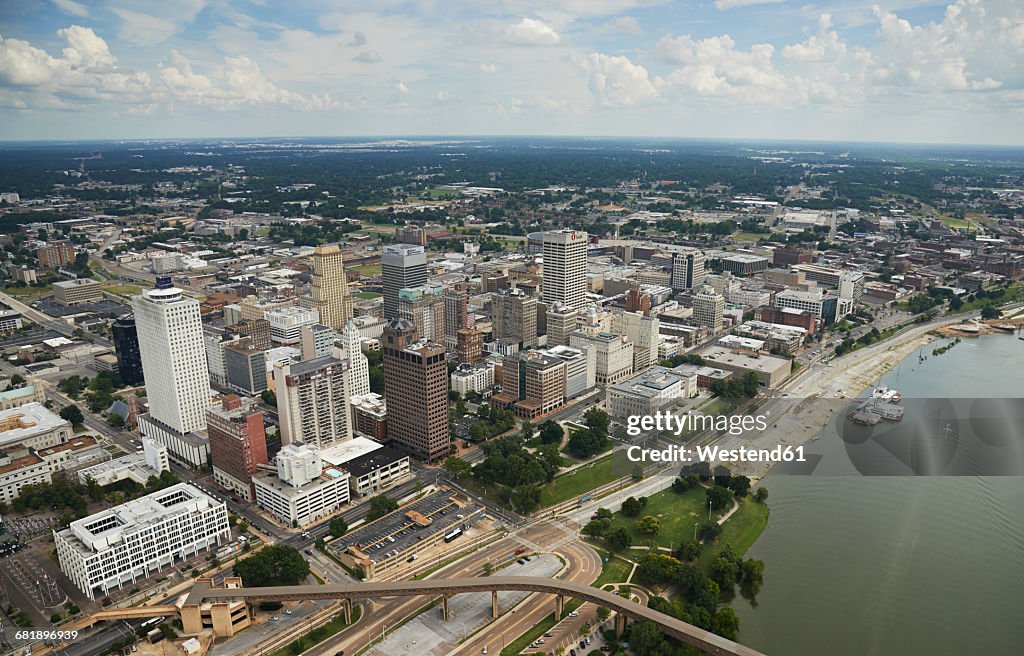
(494, 604)
(620, 624)
(559, 606)
(444, 607)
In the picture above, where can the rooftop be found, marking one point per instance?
(27, 421)
(339, 453)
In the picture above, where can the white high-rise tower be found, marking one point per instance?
(173, 357)
(359, 367)
(565, 268)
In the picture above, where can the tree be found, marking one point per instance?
(680, 485)
(550, 433)
(761, 495)
(649, 525)
(597, 420)
(740, 486)
(586, 442)
(116, 420)
(380, 505)
(595, 528)
(689, 550)
(990, 312)
(525, 499)
(603, 613)
(457, 467)
(526, 431)
(619, 539)
(273, 566)
(73, 414)
(725, 623)
(709, 531)
(724, 571)
(269, 398)
(338, 527)
(631, 507)
(719, 497)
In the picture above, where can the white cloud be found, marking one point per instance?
(623, 24)
(821, 46)
(530, 32)
(145, 22)
(85, 49)
(724, 5)
(358, 39)
(368, 57)
(400, 87)
(72, 7)
(715, 67)
(618, 82)
(488, 68)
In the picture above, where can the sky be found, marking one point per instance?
(888, 70)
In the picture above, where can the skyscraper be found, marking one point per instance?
(424, 306)
(402, 266)
(561, 322)
(173, 353)
(708, 308)
(126, 345)
(312, 401)
(238, 443)
(514, 317)
(358, 366)
(456, 314)
(687, 269)
(416, 384)
(329, 287)
(565, 267)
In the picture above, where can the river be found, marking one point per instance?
(903, 565)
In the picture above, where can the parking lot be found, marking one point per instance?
(29, 527)
(404, 529)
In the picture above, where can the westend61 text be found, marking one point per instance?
(716, 454)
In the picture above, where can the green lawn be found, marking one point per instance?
(677, 512)
(616, 570)
(577, 483)
(750, 236)
(955, 223)
(741, 530)
(28, 292)
(367, 295)
(123, 290)
(517, 646)
(369, 270)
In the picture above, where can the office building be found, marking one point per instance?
(371, 414)
(56, 254)
(744, 264)
(708, 309)
(238, 444)
(788, 256)
(402, 266)
(424, 307)
(127, 544)
(456, 314)
(562, 321)
(20, 467)
(313, 400)
(246, 367)
(77, 291)
(514, 318)
(126, 347)
(643, 332)
(565, 268)
(815, 301)
(10, 320)
(613, 355)
(328, 288)
(469, 345)
(173, 352)
(770, 370)
(256, 329)
(411, 235)
(416, 385)
(302, 490)
(317, 341)
(687, 269)
(532, 384)
(286, 323)
(358, 372)
(788, 317)
(371, 466)
(650, 391)
(469, 378)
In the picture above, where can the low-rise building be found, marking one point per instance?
(302, 490)
(470, 378)
(78, 291)
(770, 370)
(123, 545)
(19, 396)
(371, 415)
(20, 467)
(650, 391)
(152, 460)
(32, 425)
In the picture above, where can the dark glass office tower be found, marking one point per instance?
(126, 344)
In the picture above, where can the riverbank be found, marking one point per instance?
(813, 396)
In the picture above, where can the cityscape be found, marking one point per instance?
(405, 393)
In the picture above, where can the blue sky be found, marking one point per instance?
(887, 70)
